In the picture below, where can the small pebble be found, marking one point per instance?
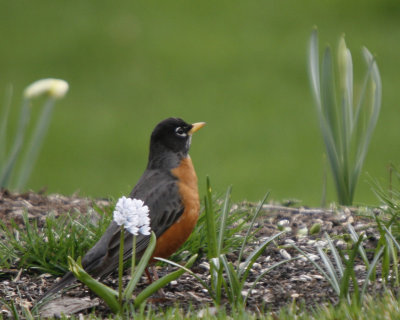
(242, 265)
(204, 265)
(268, 298)
(341, 243)
(283, 222)
(285, 254)
(305, 278)
(359, 267)
(320, 243)
(311, 256)
(256, 266)
(302, 232)
(311, 242)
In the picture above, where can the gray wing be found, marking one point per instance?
(159, 191)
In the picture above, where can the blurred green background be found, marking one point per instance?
(238, 65)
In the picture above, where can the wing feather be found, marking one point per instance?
(160, 192)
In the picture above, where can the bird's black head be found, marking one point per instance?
(171, 140)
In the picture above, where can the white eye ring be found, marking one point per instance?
(180, 132)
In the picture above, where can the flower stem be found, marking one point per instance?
(121, 264)
(133, 256)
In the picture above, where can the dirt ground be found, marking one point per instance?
(297, 280)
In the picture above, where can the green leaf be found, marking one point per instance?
(162, 282)
(222, 226)
(244, 271)
(109, 295)
(210, 220)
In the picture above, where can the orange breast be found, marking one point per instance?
(176, 235)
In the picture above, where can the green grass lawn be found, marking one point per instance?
(238, 65)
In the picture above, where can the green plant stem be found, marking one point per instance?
(133, 264)
(3, 125)
(210, 219)
(121, 265)
(5, 174)
(139, 269)
(225, 211)
(35, 144)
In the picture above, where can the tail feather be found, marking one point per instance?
(66, 280)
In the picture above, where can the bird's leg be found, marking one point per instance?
(155, 277)
(149, 277)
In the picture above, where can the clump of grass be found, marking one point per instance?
(391, 201)
(346, 123)
(46, 248)
(226, 276)
(339, 270)
(388, 225)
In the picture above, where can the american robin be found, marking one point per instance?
(168, 187)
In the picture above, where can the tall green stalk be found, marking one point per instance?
(35, 144)
(346, 125)
(10, 162)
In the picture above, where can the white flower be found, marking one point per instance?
(55, 88)
(133, 214)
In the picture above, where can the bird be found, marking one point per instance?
(169, 188)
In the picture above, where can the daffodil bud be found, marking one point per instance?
(55, 88)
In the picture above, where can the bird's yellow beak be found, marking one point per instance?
(196, 126)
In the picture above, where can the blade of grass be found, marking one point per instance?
(225, 211)
(235, 286)
(313, 63)
(263, 274)
(349, 271)
(258, 210)
(201, 281)
(245, 269)
(334, 284)
(336, 255)
(332, 278)
(371, 269)
(210, 220)
(355, 237)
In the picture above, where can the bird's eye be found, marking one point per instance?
(180, 132)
